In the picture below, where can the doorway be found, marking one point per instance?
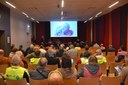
(2, 39)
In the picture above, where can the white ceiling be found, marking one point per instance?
(46, 10)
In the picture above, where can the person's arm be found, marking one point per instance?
(81, 74)
(26, 76)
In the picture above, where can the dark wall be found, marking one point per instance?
(116, 23)
(5, 27)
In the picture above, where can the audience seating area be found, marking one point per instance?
(104, 80)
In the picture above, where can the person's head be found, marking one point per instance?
(86, 47)
(71, 46)
(14, 50)
(36, 49)
(66, 61)
(101, 45)
(92, 60)
(62, 46)
(110, 46)
(19, 53)
(20, 46)
(31, 46)
(43, 62)
(55, 78)
(98, 52)
(15, 60)
(1, 52)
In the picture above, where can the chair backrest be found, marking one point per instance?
(126, 81)
(3, 68)
(110, 59)
(111, 54)
(110, 80)
(52, 67)
(39, 82)
(88, 81)
(2, 81)
(70, 81)
(103, 68)
(33, 67)
(16, 82)
(113, 65)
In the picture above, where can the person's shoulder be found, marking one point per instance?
(22, 68)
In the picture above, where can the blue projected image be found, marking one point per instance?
(63, 28)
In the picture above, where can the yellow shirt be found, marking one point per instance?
(15, 72)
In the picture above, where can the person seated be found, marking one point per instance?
(90, 70)
(15, 72)
(84, 56)
(51, 57)
(35, 56)
(77, 47)
(61, 50)
(40, 72)
(23, 63)
(96, 45)
(3, 59)
(66, 67)
(29, 50)
(55, 78)
(102, 47)
(124, 72)
(72, 51)
(111, 49)
(120, 54)
(99, 55)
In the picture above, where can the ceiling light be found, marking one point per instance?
(32, 18)
(37, 21)
(98, 14)
(85, 21)
(62, 12)
(62, 3)
(91, 18)
(25, 14)
(10, 4)
(113, 4)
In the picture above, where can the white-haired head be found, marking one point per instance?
(16, 59)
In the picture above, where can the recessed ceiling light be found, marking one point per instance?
(85, 21)
(62, 12)
(32, 18)
(62, 3)
(10, 4)
(98, 14)
(37, 21)
(91, 18)
(113, 4)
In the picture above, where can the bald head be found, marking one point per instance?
(43, 62)
(1, 52)
(55, 78)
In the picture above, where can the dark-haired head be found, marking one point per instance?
(92, 60)
(66, 61)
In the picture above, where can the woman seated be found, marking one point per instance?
(84, 56)
(90, 70)
(100, 58)
(120, 54)
(67, 70)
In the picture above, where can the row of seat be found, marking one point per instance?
(72, 81)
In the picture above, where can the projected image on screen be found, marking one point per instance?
(63, 28)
